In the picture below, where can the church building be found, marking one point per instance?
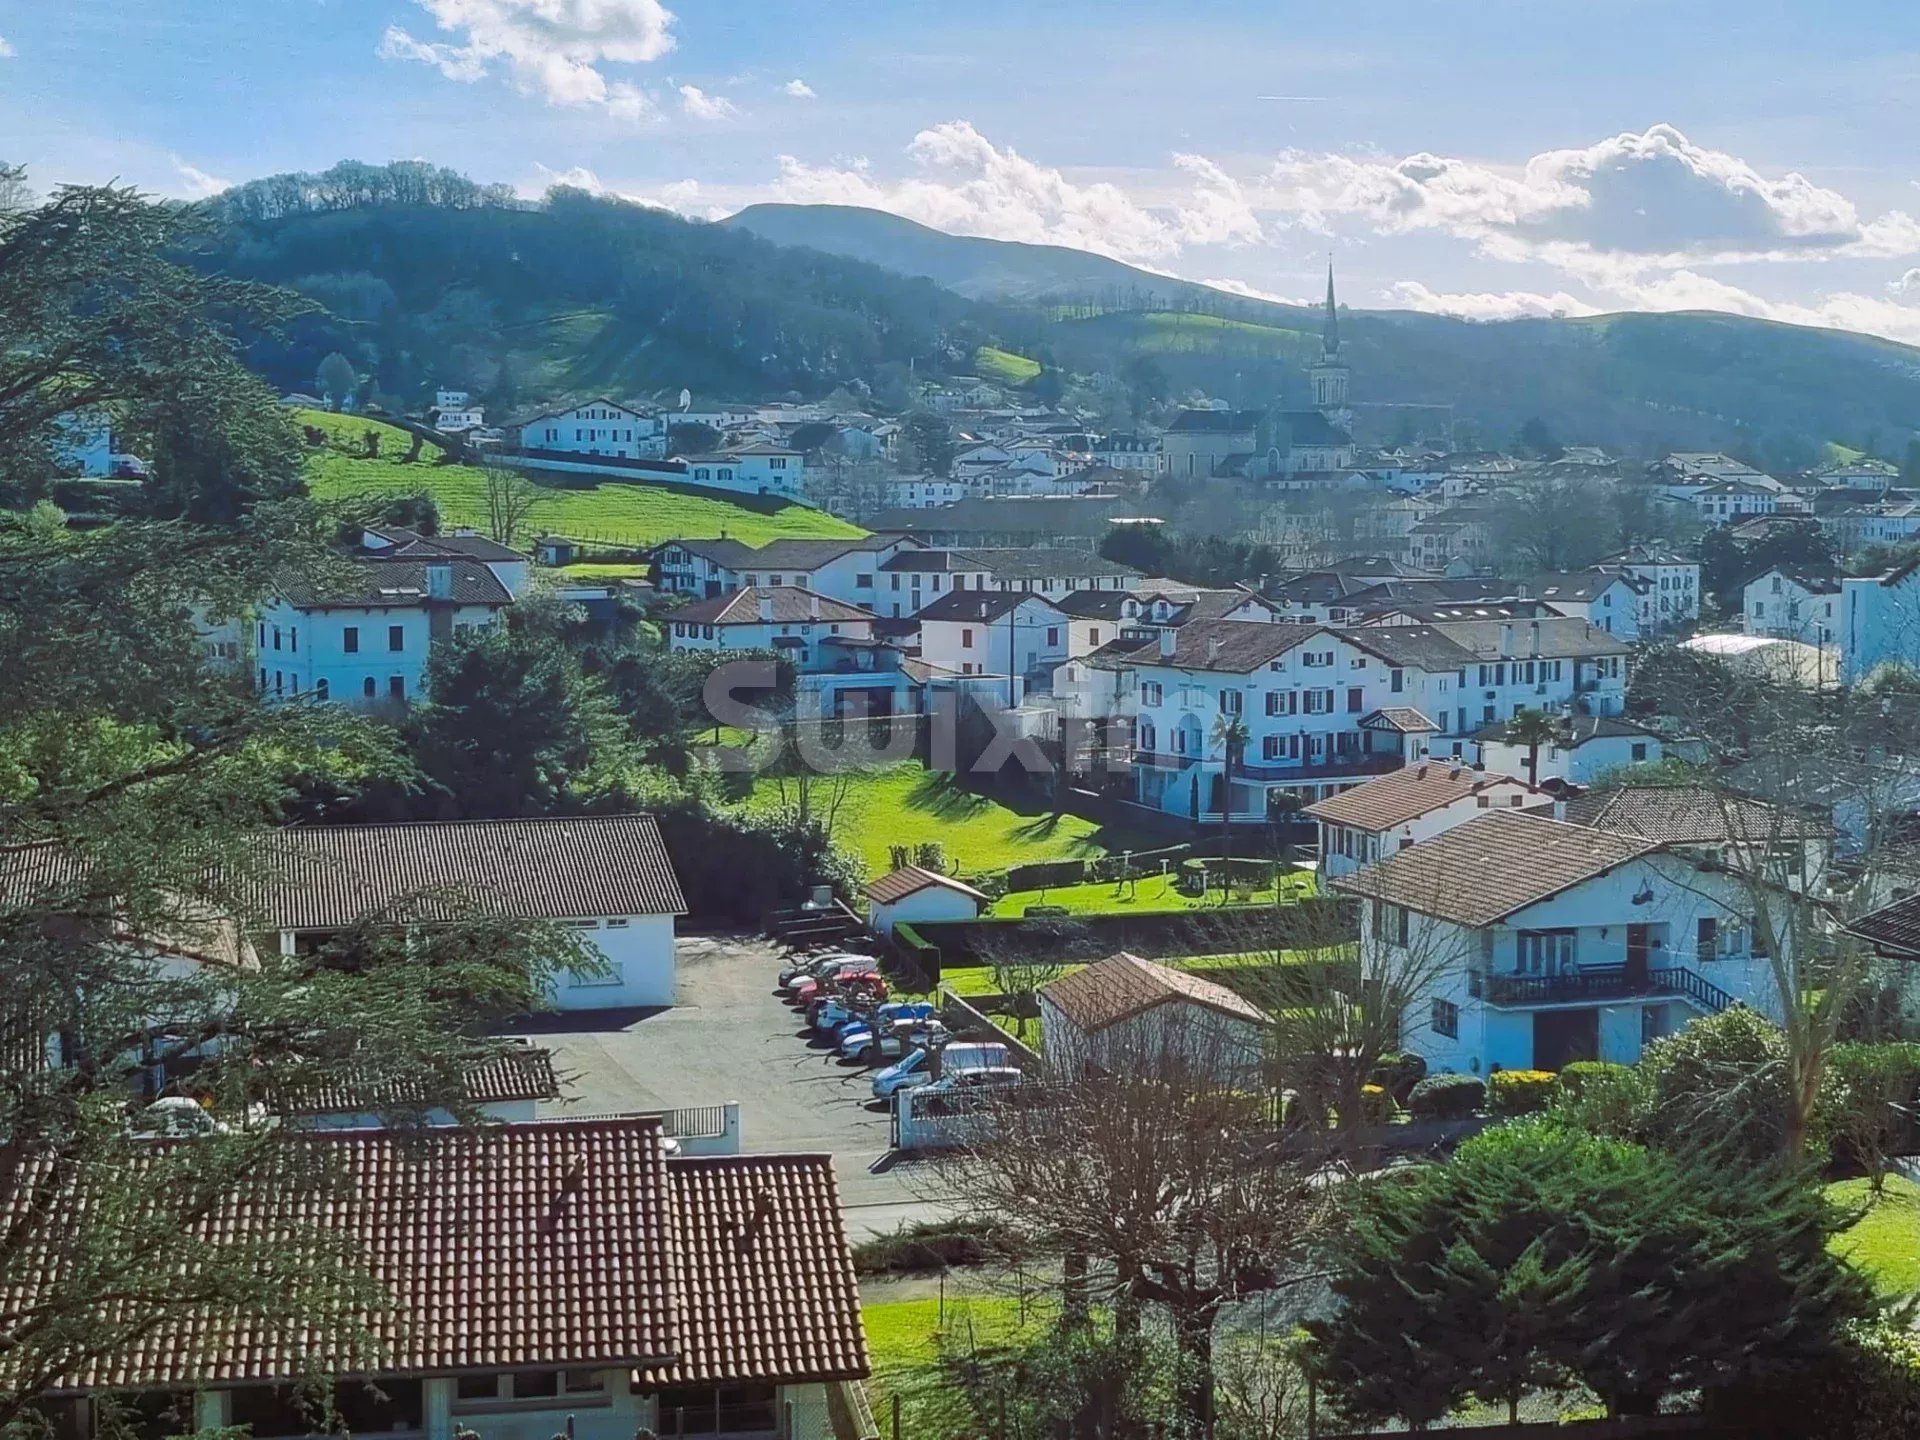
(1281, 447)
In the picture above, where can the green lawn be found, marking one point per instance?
(1885, 1242)
(1156, 892)
(606, 570)
(907, 804)
(1004, 367)
(972, 980)
(618, 512)
(906, 1337)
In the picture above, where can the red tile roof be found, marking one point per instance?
(325, 877)
(896, 885)
(1124, 985)
(1407, 794)
(550, 1244)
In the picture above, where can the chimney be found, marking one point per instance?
(1506, 641)
(440, 580)
(766, 606)
(1213, 648)
(1167, 641)
(1533, 638)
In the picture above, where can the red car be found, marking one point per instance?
(811, 989)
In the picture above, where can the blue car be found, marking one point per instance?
(854, 1034)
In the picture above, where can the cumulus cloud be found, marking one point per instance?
(1484, 305)
(798, 89)
(965, 184)
(1907, 284)
(6, 48)
(1655, 196)
(702, 106)
(555, 49)
(195, 183)
(1241, 287)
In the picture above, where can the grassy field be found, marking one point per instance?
(1885, 1242)
(907, 1339)
(606, 570)
(971, 980)
(1173, 332)
(616, 511)
(1003, 367)
(907, 804)
(1157, 892)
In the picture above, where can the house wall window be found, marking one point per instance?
(350, 640)
(1446, 1019)
(1544, 952)
(1150, 692)
(396, 637)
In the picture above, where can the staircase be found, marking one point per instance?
(1691, 986)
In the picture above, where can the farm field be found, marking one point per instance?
(907, 804)
(615, 512)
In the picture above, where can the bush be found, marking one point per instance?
(932, 855)
(1581, 1076)
(934, 1245)
(1046, 912)
(1868, 1107)
(1519, 1092)
(1447, 1097)
(1720, 1084)
(1377, 1107)
(1046, 874)
(1868, 1389)
(1398, 1072)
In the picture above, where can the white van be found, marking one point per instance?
(916, 1069)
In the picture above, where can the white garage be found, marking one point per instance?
(912, 895)
(606, 876)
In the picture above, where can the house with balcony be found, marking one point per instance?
(1536, 943)
(840, 665)
(1384, 815)
(1562, 666)
(1587, 748)
(847, 570)
(1012, 640)
(543, 1278)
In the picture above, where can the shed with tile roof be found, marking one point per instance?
(1128, 1013)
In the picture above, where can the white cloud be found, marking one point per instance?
(1907, 284)
(6, 48)
(1240, 287)
(1656, 196)
(702, 106)
(1498, 305)
(683, 197)
(554, 49)
(967, 185)
(195, 183)
(798, 89)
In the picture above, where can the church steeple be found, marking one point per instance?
(1330, 327)
(1329, 374)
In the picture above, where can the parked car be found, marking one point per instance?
(843, 997)
(802, 966)
(894, 1041)
(916, 1069)
(807, 986)
(886, 1018)
(987, 1077)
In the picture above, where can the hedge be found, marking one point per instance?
(1447, 1097)
(1579, 1076)
(1046, 874)
(1226, 930)
(1867, 1389)
(1520, 1092)
(1398, 1072)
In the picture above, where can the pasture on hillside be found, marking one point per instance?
(614, 512)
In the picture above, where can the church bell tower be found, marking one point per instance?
(1329, 375)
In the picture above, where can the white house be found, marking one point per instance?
(600, 427)
(1142, 454)
(1127, 1014)
(1592, 745)
(1879, 622)
(757, 469)
(1386, 814)
(365, 640)
(1012, 636)
(912, 895)
(913, 579)
(1672, 599)
(1792, 605)
(608, 877)
(555, 1277)
(1537, 943)
(840, 665)
(1609, 601)
(847, 570)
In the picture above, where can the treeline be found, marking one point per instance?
(428, 279)
(353, 184)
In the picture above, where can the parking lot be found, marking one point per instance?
(732, 1038)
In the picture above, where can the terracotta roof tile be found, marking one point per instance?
(762, 1272)
(1495, 864)
(908, 880)
(791, 605)
(1689, 815)
(324, 877)
(520, 1072)
(1403, 795)
(1124, 985)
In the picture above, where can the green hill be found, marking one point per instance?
(577, 295)
(614, 512)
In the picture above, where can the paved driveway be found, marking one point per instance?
(732, 1038)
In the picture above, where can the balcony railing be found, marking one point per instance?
(1599, 985)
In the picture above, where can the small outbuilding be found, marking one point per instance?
(1125, 1011)
(915, 894)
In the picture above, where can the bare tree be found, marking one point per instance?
(1154, 1169)
(511, 500)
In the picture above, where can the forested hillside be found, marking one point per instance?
(428, 278)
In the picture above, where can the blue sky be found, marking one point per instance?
(1488, 158)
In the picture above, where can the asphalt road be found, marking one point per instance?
(732, 1038)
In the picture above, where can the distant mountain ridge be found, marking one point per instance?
(579, 295)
